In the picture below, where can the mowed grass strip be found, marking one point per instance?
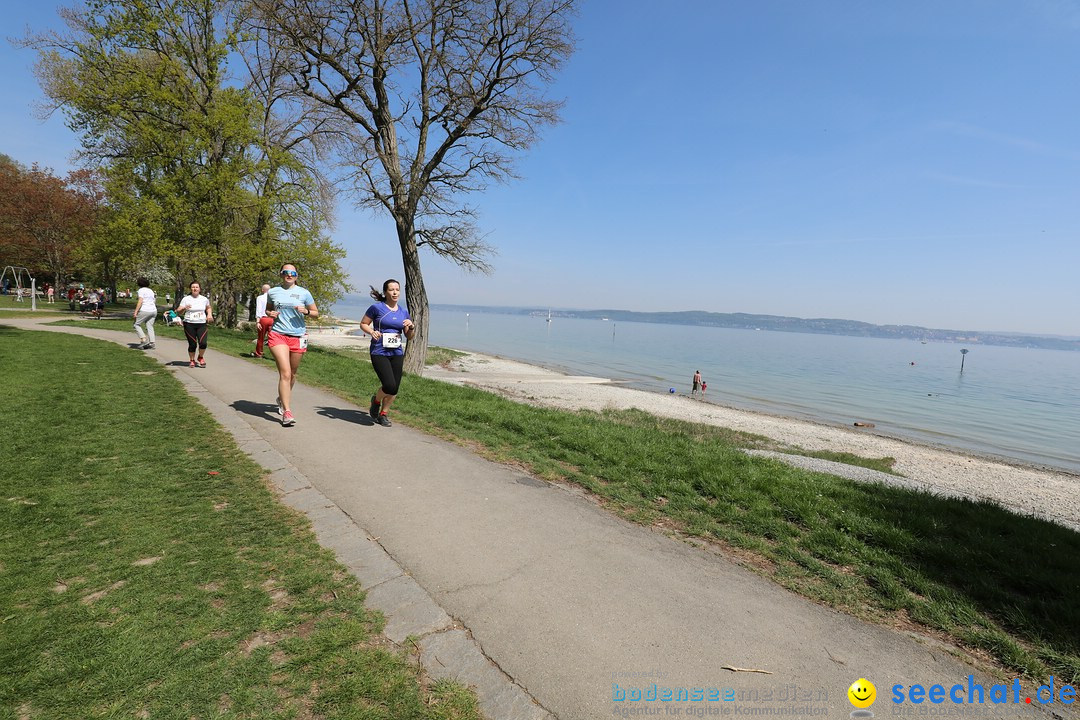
(972, 572)
(146, 570)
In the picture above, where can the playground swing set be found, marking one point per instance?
(17, 275)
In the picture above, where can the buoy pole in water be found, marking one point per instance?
(963, 356)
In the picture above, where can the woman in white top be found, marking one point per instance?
(145, 312)
(197, 314)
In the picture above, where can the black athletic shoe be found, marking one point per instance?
(374, 409)
(384, 420)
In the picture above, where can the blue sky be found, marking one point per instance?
(894, 161)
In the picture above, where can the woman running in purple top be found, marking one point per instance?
(386, 322)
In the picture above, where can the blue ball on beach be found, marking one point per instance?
(671, 390)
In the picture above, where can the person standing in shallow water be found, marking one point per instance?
(697, 382)
(290, 306)
(385, 321)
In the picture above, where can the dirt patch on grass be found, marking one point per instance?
(259, 639)
(279, 596)
(256, 641)
(95, 596)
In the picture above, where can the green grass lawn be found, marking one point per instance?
(13, 302)
(21, 308)
(971, 572)
(26, 314)
(146, 569)
(10, 307)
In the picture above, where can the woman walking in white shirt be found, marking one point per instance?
(145, 313)
(197, 314)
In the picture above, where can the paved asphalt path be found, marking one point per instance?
(572, 605)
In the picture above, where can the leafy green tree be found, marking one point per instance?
(432, 100)
(190, 169)
(102, 252)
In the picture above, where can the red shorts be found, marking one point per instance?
(295, 343)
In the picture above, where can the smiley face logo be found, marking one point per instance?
(862, 693)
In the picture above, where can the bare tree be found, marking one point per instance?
(436, 98)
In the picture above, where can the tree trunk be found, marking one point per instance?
(110, 279)
(415, 299)
(226, 304)
(180, 291)
(233, 316)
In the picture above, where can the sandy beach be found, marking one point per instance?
(1043, 492)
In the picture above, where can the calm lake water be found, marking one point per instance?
(1010, 402)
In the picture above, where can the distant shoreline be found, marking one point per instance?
(781, 323)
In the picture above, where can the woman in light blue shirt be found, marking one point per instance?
(289, 305)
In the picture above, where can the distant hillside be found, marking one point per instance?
(820, 326)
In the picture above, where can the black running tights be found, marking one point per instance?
(388, 368)
(196, 336)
